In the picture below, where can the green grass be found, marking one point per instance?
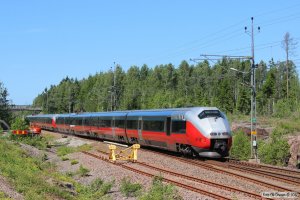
(65, 150)
(27, 174)
(160, 191)
(98, 189)
(64, 158)
(38, 179)
(130, 189)
(74, 162)
(39, 142)
(82, 171)
(3, 196)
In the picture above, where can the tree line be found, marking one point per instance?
(5, 113)
(168, 86)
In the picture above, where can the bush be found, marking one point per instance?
(83, 171)
(159, 191)
(65, 150)
(130, 189)
(19, 124)
(74, 162)
(96, 190)
(276, 150)
(241, 146)
(35, 141)
(64, 158)
(283, 108)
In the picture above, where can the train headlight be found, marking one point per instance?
(213, 134)
(225, 133)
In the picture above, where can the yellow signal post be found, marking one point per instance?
(133, 155)
(112, 152)
(253, 132)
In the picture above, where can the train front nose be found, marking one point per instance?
(220, 146)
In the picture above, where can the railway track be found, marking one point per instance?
(289, 172)
(292, 180)
(185, 186)
(210, 167)
(198, 180)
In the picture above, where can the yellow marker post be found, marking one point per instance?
(112, 152)
(253, 132)
(133, 156)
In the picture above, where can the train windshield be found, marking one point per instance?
(210, 113)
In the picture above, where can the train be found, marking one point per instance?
(192, 131)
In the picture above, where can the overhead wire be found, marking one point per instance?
(215, 38)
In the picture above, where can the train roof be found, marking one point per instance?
(40, 115)
(133, 113)
(169, 111)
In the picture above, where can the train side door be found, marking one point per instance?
(168, 126)
(140, 128)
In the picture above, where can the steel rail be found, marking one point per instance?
(288, 171)
(222, 171)
(251, 170)
(188, 187)
(228, 188)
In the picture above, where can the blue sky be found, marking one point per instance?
(41, 42)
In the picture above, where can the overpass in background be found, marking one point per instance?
(16, 108)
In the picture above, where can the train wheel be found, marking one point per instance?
(186, 150)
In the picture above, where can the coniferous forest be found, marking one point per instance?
(169, 86)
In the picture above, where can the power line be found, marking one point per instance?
(277, 10)
(215, 37)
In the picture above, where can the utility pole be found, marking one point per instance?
(253, 96)
(115, 93)
(113, 89)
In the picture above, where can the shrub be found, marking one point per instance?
(19, 124)
(70, 174)
(74, 162)
(82, 171)
(96, 184)
(241, 146)
(283, 108)
(35, 141)
(64, 158)
(159, 191)
(96, 190)
(130, 189)
(65, 150)
(276, 150)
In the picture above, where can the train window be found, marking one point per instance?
(93, 121)
(210, 113)
(78, 121)
(86, 121)
(153, 125)
(67, 120)
(104, 123)
(72, 121)
(178, 127)
(132, 124)
(119, 123)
